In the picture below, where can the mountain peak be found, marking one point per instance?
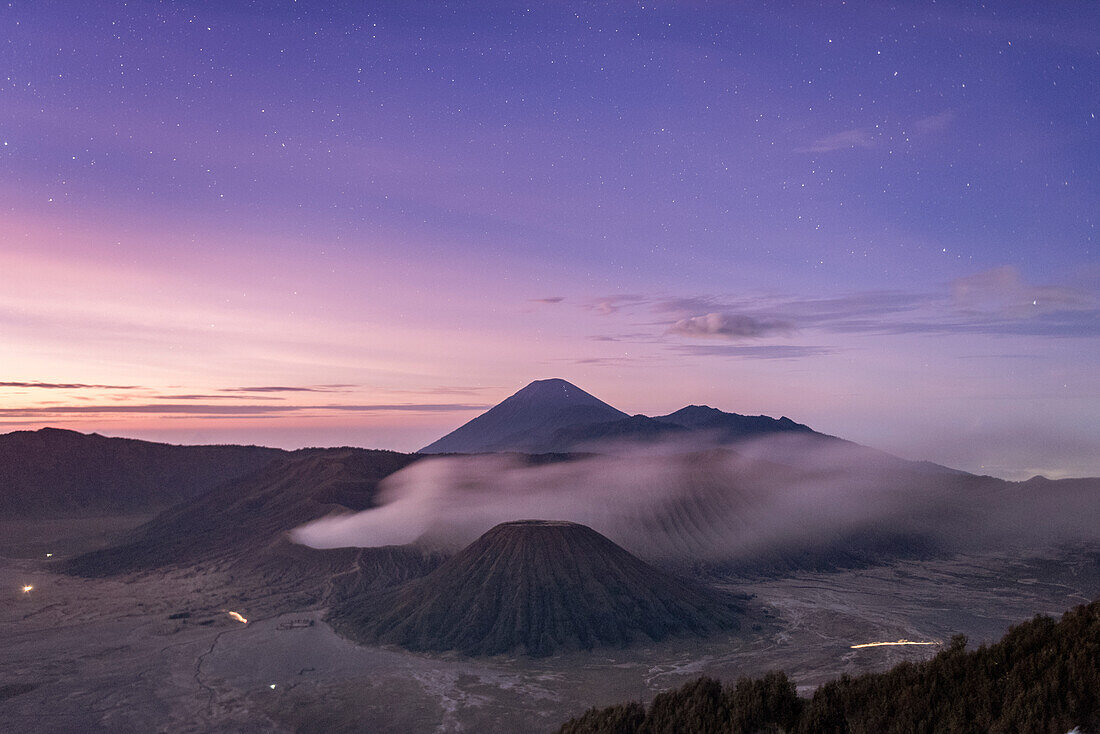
(554, 415)
(553, 386)
(554, 392)
(549, 382)
(526, 420)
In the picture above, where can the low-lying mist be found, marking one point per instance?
(789, 496)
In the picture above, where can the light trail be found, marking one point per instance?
(898, 642)
(237, 617)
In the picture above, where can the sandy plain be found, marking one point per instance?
(160, 653)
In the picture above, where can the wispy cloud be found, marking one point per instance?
(1061, 325)
(859, 137)
(934, 123)
(198, 409)
(1003, 291)
(634, 338)
(690, 305)
(215, 397)
(448, 390)
(729, 326)
(993, 302)
(773, 351)
(551, 299)
(284, 388)
(607, 305)
(879, 136)
(613, 361)
(68, 386)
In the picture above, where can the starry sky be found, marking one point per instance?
(318, 223)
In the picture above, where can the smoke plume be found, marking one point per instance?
(790, 495)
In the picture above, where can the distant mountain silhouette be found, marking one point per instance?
(731, 426)
(637, 429)
(527, 421)
(58, 473)
(536, 587)
(551, 416)
(246, 521)
(556, 417)
(706, 425)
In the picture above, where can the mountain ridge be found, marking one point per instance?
(243, 517)
(555, 416)
(55, 472)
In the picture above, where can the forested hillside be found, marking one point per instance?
(1042, 677)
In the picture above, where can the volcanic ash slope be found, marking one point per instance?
(535, 587)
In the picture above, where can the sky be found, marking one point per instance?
(316, 223)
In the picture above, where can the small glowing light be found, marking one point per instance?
(27, 588)
(237, 617)
(272, 686)
(49, 555)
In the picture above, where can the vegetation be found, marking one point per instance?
(1042, 677)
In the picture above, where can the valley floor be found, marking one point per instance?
(102, 655)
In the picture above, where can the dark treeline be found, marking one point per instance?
(1042, 677)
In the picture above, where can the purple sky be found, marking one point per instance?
(875, 219)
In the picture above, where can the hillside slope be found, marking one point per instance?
(58, 473)
(1041, 677)
(243, 519)
(527, 420)
(536, 587)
